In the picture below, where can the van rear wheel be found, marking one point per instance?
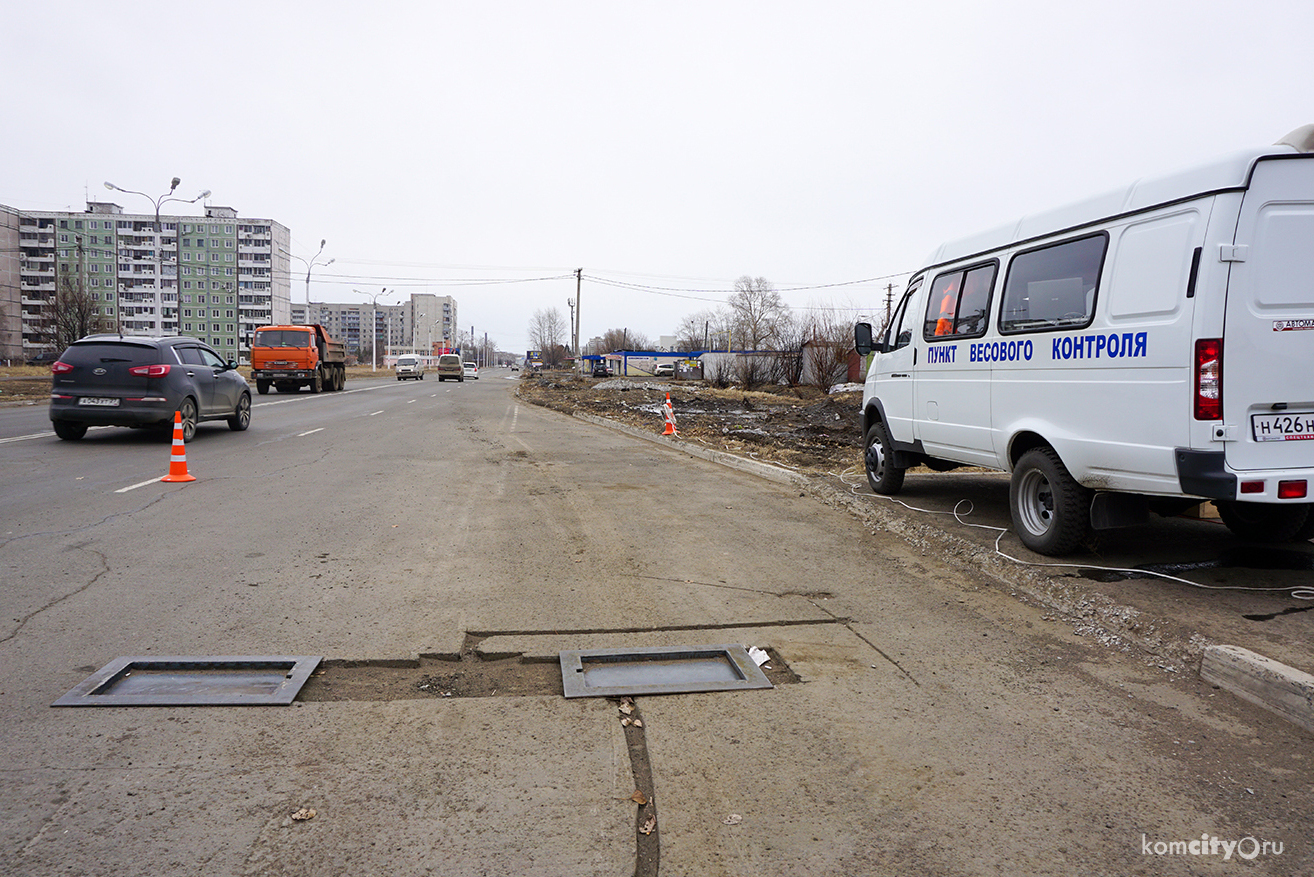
(1268, 523)
(883, 476)
(1051, 511)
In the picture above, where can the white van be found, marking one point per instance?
(410, 366)
(1135, 352)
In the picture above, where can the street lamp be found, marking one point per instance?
(429, 352)
(157, 202)
(310, 263)
(374, 328)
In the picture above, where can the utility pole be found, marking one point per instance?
(579, 277)
(889, 301)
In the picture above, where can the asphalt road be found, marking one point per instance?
(938, 726)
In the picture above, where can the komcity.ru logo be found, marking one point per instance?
(1248, 848)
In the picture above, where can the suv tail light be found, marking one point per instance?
(59, 367)
(1209, 379)
(149, 371)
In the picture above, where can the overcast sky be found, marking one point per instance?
(665, 148)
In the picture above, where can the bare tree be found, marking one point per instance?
(758, 312)
(828, 339)
(703, 330)
(70, 314)
(625, 339)
(547, 332)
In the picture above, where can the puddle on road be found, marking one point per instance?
(1241, 557)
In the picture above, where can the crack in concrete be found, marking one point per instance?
(22, 622)
(800, 622)
(85, 527)
(647, 831)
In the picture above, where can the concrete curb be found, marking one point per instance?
(1283, 690)
(1262, 681)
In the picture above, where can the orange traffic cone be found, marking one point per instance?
(178, 457)
(669, 414)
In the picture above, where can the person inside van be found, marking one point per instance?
(944, 324)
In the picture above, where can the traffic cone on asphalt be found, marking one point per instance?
(669, 414)
(178, 456)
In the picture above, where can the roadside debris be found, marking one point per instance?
(639, 798)
(304, 814)
(649, 826)
(732, 819)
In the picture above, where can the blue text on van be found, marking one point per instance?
(1112, 346)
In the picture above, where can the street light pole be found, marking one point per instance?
(374, 329)
(311, 263)
(157, 202)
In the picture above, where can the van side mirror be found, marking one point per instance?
(862, 340)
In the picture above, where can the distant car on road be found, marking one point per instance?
(410, 366)
(664, 370)
(601, 371)
(450, 366)
(109, 380)
(470, 370)
(47, 358)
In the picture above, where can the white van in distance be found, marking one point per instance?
(1136, 352)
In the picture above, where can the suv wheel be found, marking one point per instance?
(70, 431)
(188, 411)
(241, 418)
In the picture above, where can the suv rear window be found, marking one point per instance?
(96, 352)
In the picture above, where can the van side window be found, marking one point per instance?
(899, 333)
(1053, 287)
(959, 302)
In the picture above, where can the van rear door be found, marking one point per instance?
(1268, 341)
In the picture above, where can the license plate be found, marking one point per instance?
(98, 401)
(1285, 427)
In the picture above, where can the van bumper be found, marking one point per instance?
(1205, 473)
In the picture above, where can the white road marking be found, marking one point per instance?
(372, 413)
(135, 486)
(311, 432)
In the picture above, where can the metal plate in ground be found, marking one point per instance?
(217, 680)
(670, 670)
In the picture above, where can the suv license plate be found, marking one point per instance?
(98, 401)
(1286, 427)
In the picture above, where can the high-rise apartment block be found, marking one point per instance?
(424, 324)
(216, 277)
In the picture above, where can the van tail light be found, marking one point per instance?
(60, 367)
(1293, 489)
(149, 371)
(1209, 379)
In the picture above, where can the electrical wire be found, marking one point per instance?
(1296, 593)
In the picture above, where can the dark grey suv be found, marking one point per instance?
(112, 380)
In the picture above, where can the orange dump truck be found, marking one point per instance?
(292, 357)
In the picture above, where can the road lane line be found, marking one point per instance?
(311, 432)
(372, 413)
(135, 486)
(23, 438)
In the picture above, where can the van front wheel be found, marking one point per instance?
(883, 476)
(1051, 511)
(1265, 522)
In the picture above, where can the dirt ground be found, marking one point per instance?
(798, 427)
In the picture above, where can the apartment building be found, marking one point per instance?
(216, 277)
(423, 324)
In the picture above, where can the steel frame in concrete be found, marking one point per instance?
(661, 670)
(215, 680)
